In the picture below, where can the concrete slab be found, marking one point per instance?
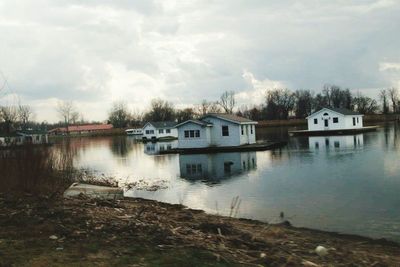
(94, 191)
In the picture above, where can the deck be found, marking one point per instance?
(334, 132)
(222, 149)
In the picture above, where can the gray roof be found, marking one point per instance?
(344, 111)
(229, 117)
(202, 123)
(163, 124)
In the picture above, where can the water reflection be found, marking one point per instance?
(154, 148)
(326, 143)
(216, 167)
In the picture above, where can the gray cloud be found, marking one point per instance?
(94, 52)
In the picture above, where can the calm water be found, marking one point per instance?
(349, 184)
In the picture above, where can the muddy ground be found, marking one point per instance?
(138, 232)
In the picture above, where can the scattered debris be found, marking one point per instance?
(53, 237)
(94, 191)
(146, 185)
(321, 251)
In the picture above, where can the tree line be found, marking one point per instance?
(278, 104)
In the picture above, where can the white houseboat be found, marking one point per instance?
(161, 130)
(24, 137)
(135, 131)
(216, 130)
(334, 121)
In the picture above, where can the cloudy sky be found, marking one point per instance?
(95, 52)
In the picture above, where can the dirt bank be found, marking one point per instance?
(139, 232)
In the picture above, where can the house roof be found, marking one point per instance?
(229, 117)
(87, 127)
(162, 124)
(201, 123)
(30, 132)
(343, 111)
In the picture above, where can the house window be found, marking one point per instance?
(335, 119)
(194, 169)
(336, 144)
(354, 121)
(242, 127)
(192, 133)
(149, 131)
(161, 131)
(357, 120)
(168, 131)
(251, 129)
(315, 121)
(225, 130)
(326, 114)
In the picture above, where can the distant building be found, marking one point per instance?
(23, 137)
(216, 129)
(334, 119)
(160, 130)
(81, 129)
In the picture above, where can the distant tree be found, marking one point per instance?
(394, 98)
(65, 110)
(75, 117)
(24, 114)
(119, 115)
(336, 97)
(207, 107)
(185, 114)
(227, 101)
(384, 100)
(303, 103)
(160, 111)
(9, 116)
(364, 104)
(279, 104)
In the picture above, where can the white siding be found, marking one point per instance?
(156, 132)
(249, 134)
(326, 115)
(148, 127)
(195, 142)
(216, 132)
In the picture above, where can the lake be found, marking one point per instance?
(348, 184)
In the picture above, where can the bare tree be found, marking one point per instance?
(75, 117)
(24, 114)
(383, 98)
(9, 115)
(119, 115)
(227, 101)
(394, 97)
(65, 110)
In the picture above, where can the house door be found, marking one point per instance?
(326, 123)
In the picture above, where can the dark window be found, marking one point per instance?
(161, 131)
(242, 129)
(336, 144)
(191, 132)
(186, 134)
(326, 142)
(197, 133)
(326, 114)
(168, 131)
(225, 130)
(335, 120)
(354, 121)
(357, 120)
(316, 145)
(315, 121)
(251, 129)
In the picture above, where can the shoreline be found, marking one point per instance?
(146, 232)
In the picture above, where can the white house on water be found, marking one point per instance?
(160, 130)
(216, 129)
(334, 119)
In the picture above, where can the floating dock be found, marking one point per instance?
(222, 149)
(334, 132)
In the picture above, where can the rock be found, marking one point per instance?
(309, 264)
(321, 251)
(53, 237)
(263, 255)
(59, 248)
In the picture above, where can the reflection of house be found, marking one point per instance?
(334, 119)
(216, 166)
(216, 130)
(24, 137)
(157, 147)
(160, 130)
(81, 129)
(335, 142)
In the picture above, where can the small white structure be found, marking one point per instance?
(24, 137)
(334, 119)
(135, 131)
(160, 130)
(216, 129)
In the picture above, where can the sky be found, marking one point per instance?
(95, 52)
